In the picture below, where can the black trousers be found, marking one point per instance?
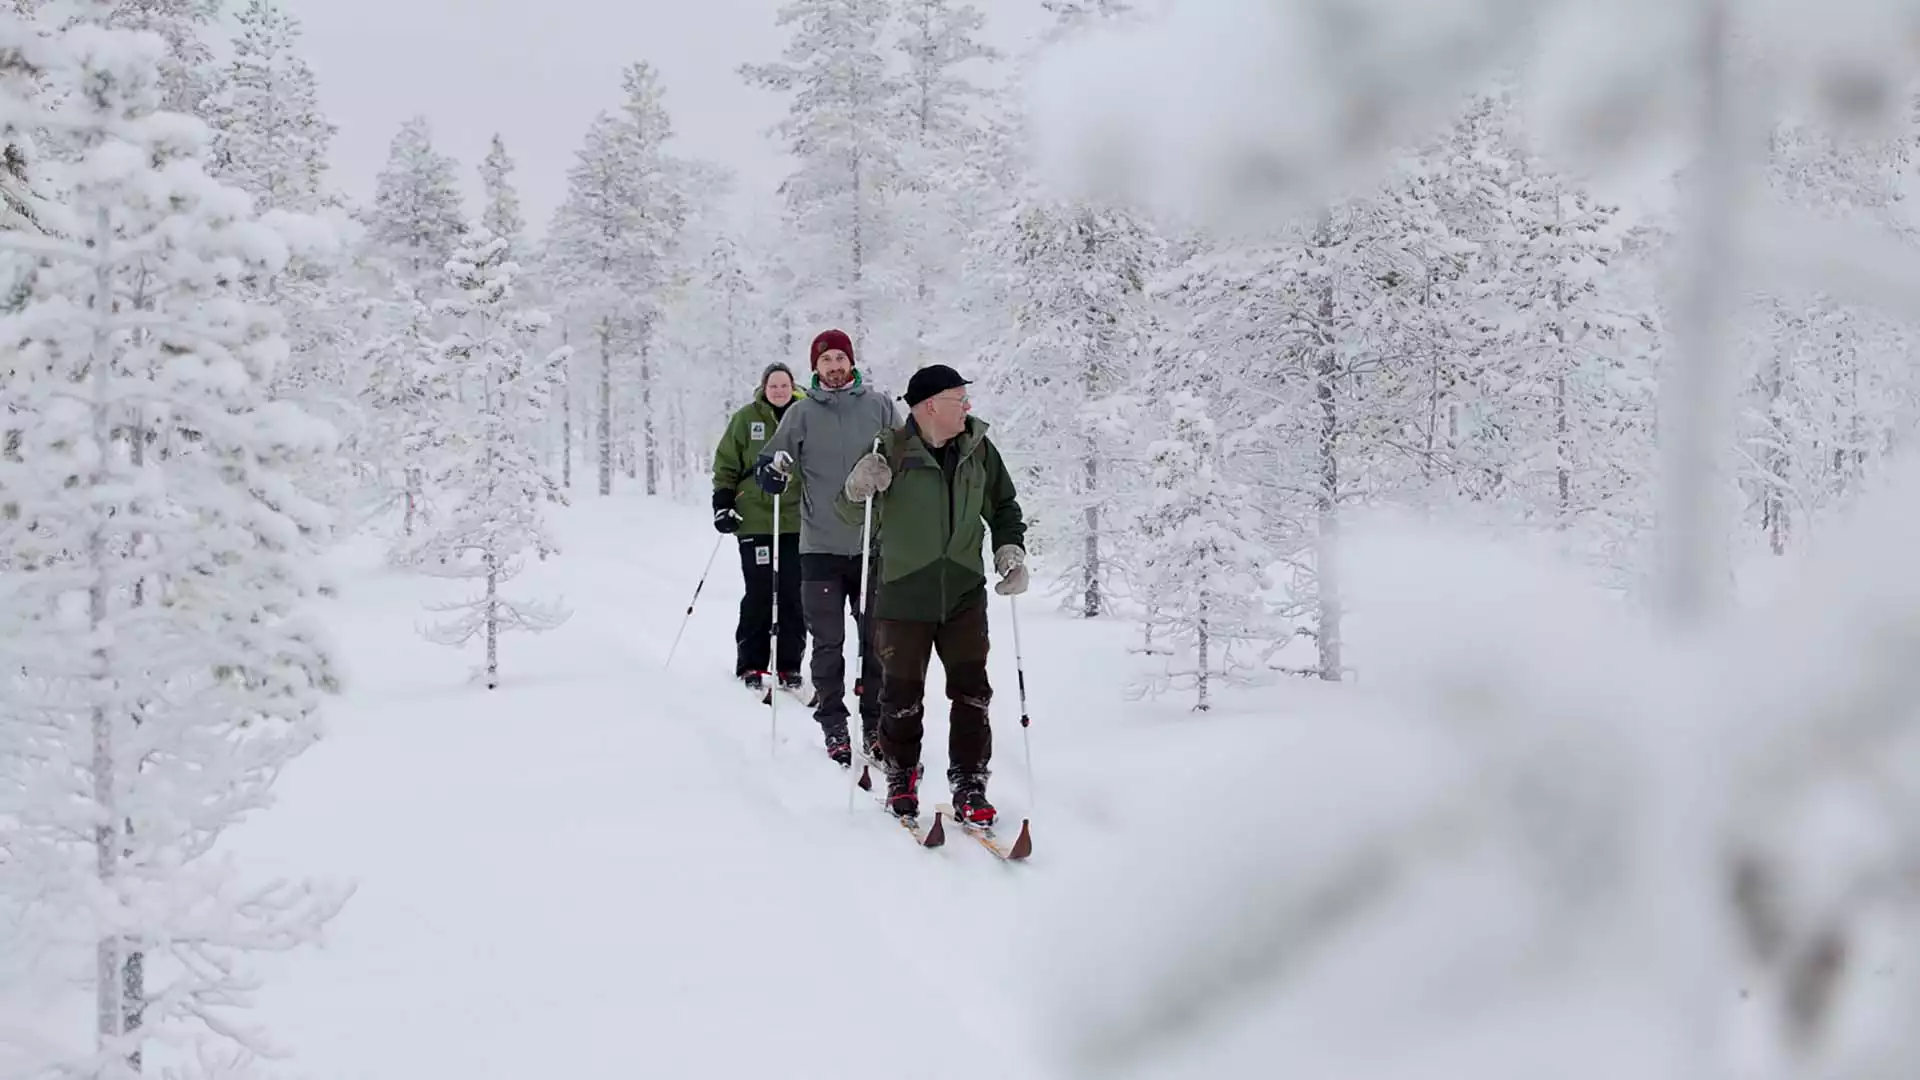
(751, 638)
(905, 648)
(829, 589)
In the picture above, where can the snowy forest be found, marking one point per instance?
(1647, 335)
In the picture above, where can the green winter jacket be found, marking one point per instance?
(929, 531)
(733, 460)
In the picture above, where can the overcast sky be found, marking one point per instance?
(537, 71)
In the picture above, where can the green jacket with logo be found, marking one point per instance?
(733, 460)
(930, 529)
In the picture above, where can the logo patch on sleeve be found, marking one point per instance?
(758, 430)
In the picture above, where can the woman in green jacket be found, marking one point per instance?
(740, 507)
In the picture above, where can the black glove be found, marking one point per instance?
(725, 518)
(771, 480)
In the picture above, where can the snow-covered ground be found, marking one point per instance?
(601, 868)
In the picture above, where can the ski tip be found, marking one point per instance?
(1023, 845)
(936, 835)
(866, 781)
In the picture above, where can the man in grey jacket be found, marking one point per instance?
(825, 433)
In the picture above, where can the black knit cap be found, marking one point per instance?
(773, 367)
(930, 380)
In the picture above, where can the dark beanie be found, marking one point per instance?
(771, 368)
(829, 339)
(930, 380)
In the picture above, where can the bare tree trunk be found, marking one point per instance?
(859, 257)
(1093, 603)
(1200, 677)
(647, 428)
(110, 1001)
(1775, 512)
(681, 454)
(1326, 568)
(566, 414)
(1562, 421)
(605, 419)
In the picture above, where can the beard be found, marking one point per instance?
(837, 380)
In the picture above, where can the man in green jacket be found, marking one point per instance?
(938, 488)
(742, 508)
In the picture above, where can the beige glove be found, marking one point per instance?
(1010, 562)
(870, 476)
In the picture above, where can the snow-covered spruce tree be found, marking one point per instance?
(161, 671)
(493, 465)
(1202, 577)
(417, 218)
(843, 131)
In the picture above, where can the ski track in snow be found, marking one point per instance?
(598, 870)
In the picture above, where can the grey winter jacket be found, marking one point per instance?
(826, 432)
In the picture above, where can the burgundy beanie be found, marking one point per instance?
(830, 339)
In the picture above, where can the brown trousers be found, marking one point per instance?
(905, 647)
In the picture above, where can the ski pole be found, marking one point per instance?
(773, 640)
(1020, 677)
(866, 625)
(695, 600)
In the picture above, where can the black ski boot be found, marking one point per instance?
(752, 681)
(789, 680)
(870, 739)
(903, 791)
(970, 803)
(838, 748)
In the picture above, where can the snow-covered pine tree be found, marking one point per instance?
(501, 215)
(1538, 388)
(272, 141)
(1827, 383)
(1306, 339)
(182, 24)
(943, 137)
(584, 250)
(271, 138)
(493, 463)
(1061, 371)
(161, 668)
(700, 378)
(843, 131)
(417, 218)
(608, 249)
(408, 392)
(1203, 574)
(720, 325)
(1057, 313)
